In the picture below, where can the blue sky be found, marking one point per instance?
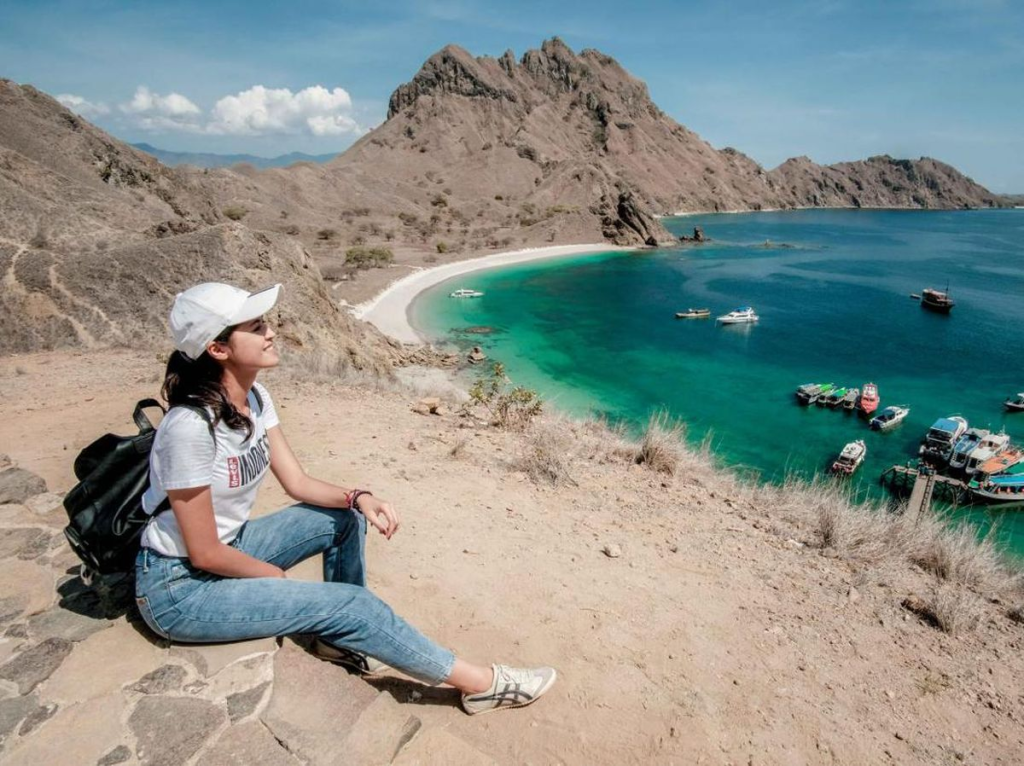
(833, 79)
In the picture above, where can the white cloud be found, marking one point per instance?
(155, 112)
(87, 109)
(261, 111)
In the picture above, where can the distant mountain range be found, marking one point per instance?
(211, 160)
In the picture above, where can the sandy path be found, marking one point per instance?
(389, 311)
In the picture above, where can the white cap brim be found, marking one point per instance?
(256, 305)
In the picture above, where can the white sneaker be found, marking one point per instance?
(512, 687)
(357, 661)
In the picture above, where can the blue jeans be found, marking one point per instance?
(186, 604)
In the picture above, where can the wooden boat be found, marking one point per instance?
(868, 399)
(850, 458)
(1005, 488)
(693, 314)
(1015, 404)
(889, 418)
(938, 444)
(808, 393)
(936, 300)
(832, 399)
(1001, 462)
(849, 402)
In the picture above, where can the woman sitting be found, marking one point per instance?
(208, 573)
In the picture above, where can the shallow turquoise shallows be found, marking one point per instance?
(597, 333)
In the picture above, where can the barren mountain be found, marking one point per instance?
(476, 154)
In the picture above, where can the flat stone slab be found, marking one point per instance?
(13, 711)
(24, 542)
(433, 746)
(47, 505)
(170, 730)
(29, 582)
(210, 659)
(102, 664)
(164, 679)
(245, 703)
(17, 485)
(34, 665)
(248, 744)
(76, 734)
(63, 623)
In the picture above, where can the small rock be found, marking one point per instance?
(415, 696)
(440, 410)
(413, 576)
(612, 550)
(674, 548)
(164, 679)
(791, 543)
(5, 462)
(244, 703)
(412, 446)
(890, 694)
(40, 715)
(17, 485)
(853, 595)
(421, 409)
(119, 754)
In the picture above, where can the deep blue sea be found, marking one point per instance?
(832, 287)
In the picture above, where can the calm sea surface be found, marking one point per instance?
(597, 333)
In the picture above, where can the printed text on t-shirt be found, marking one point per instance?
(245, 468)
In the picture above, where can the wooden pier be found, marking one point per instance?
(922, 484)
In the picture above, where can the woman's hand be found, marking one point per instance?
(380, 514)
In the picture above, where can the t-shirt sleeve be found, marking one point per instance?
(269, 411)
(184, 451)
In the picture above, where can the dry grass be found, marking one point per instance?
(458, 449)
(547, 451)
(954, 607)
(661, 447)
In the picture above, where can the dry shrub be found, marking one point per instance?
(546, 452)
(954, 608)
(458, 450)
(954, 553)
(661, 445)
(859, 532)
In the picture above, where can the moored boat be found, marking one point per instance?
(936, 300)
(1015, 404)
(938, 444)
(832, 398)
(464, 292)
(693, 314)
(964, 446)
(742, 315)
(1002, 488)
(868, 399)
(850, 458)
(890, 417)
(808, 393)
(1001, 462)
(991, 446)
(849, 402)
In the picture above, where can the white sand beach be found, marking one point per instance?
(389, 310)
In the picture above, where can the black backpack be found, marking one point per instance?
(105, 507)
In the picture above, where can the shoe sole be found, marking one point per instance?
(348, 665)
(514, 705)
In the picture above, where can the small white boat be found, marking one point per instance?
(890, 417)
(1015, 404)
(850, 458)
(463, 292)
(989, 447)
(965, 445)
(742, 315)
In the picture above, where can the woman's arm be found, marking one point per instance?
(304, 488)
(193, 510)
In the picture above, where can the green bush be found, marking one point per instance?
(368, 257)
(442, 247)
(235, 212)
(508, 407)
(326, 234)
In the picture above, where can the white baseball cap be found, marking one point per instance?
(203, 312)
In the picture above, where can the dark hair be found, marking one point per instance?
(198, 384)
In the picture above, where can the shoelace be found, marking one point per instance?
(521, 676)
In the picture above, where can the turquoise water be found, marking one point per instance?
(597, 333)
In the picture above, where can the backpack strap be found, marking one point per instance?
(258, 399)
(140, 417)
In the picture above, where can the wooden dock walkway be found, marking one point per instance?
(922, 484)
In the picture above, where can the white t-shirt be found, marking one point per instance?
(184, 455)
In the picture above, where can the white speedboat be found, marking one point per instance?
(850, 458)
(965, 446)
(890, 417)
(463, 292)
(742, 315)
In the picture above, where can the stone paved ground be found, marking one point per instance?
(83, 681)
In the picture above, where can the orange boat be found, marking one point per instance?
(1001, 462)
(868, 399)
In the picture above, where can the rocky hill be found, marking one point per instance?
(477, 154)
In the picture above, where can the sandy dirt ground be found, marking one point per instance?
(720, 635)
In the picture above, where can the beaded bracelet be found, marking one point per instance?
(355, 495)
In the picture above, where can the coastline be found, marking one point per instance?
(388, 311)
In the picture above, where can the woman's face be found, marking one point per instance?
(250, 347)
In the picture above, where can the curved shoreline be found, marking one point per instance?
(388, 311)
